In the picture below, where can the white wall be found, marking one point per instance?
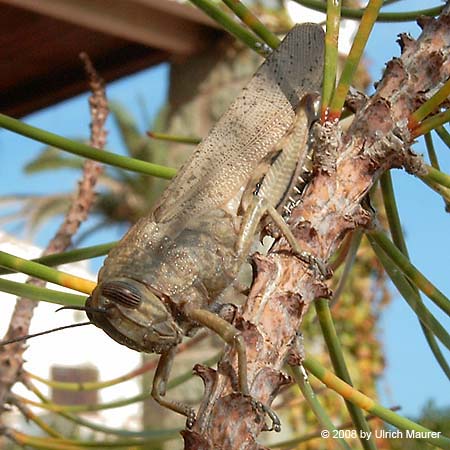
(84, 345)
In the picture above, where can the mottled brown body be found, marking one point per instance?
(190, 271)
(165, 278)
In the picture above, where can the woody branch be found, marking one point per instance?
(347, 166)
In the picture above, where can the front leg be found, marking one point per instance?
(160, 386)
(232, 336)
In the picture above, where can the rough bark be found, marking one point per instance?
(349, 163)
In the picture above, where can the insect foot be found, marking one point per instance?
(266, 410)
(317, 265)
(190, 420)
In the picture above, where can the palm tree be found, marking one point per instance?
(123, 197)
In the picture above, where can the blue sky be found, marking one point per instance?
(412, 376)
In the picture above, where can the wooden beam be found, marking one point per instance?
(163, 24)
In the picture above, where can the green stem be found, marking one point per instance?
(174, 138)
(157, 435)
(41, 294)
(26, 441)
(393, 217)
(319, 411)
(46, 273)
(435, 349)
(410, 294)
(78, 254)
(338, 361)
(440, 190)
(331, 53)
(187, 375)
(431, 151)
(239, 32)
(358, 398)
(253, 22)
(351, 13)
(77, 148)
(443, 134)
(318, 434)
(430, 123)
(351, 64)
(416, 277)
(349, 262)
(431, 104)
(437, 176)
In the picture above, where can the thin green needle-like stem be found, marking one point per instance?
(437, 176)
(409, 293)
(331, 53)
(429, 106)
(431, 123)
(349, 261)
(31, 416)
(118, 403)
(409, 290)
(84, 150)
(436, 350)
(90, 386)
(159, 435)
(390, 205)
(253, 22)
(149, 436)
(443, 134)
(316, 407)
(46, 273)
(318, 434)
(174, 138)
(439, 189)
(212, 10)
(338, 361)
(41, 294)
(431, 151)
(363, 401)
(85, 408)
(351, 13)
(411, 271)
(390, 2)
(354, 56)
(93, 385)
(26, 441)
(79, 254)
(341, 254)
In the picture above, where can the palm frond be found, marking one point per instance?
(52, 158)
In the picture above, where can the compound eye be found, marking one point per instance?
(122, 293)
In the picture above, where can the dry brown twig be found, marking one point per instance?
(11, 356)
(377, 140)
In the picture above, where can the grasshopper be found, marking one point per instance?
(165, 278)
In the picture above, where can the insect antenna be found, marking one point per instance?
(83, 308)
(24, 338)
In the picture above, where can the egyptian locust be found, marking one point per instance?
(165, 278)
